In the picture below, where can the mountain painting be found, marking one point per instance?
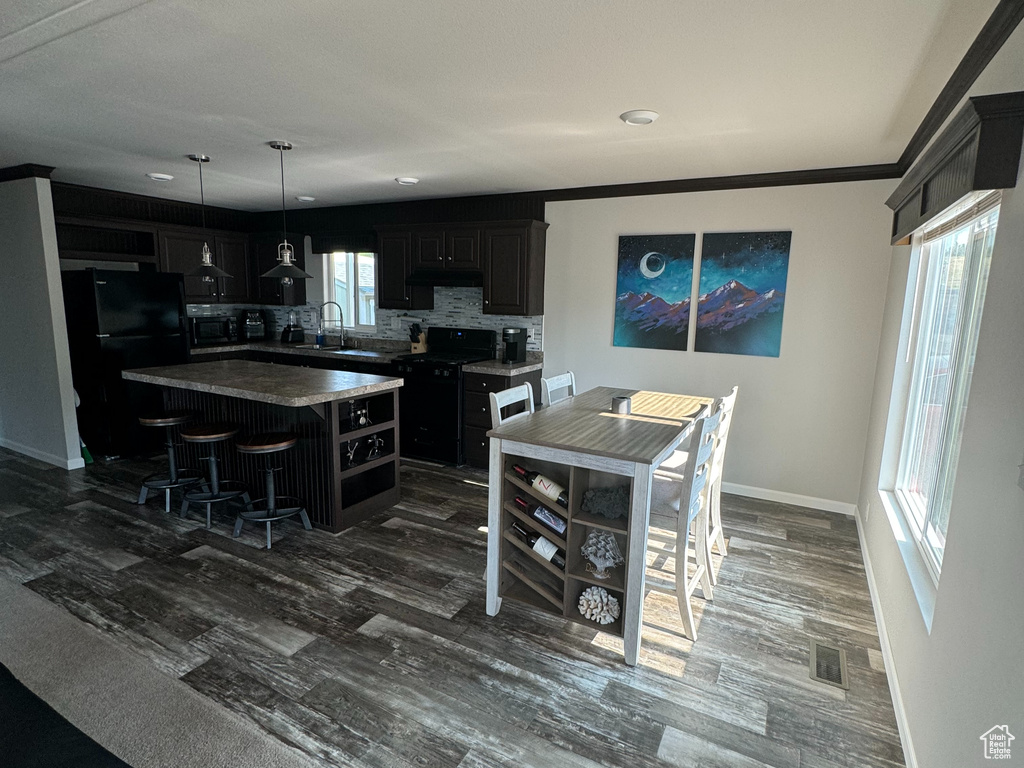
(655, 277)
(742, 292)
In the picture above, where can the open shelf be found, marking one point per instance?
(355, 434)
(547, 565)
(575, 588)
(547, 533)
(514, 565)
(617, 525)
(367, 465)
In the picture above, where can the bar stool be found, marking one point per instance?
(175, 478)
(268, 509)
(216, 490)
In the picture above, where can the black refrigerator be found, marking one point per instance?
(119, 320)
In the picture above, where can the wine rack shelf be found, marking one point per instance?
(526, 576)
(524, 518)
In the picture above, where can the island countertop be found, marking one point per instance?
(266, 383)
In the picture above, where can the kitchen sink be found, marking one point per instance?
(324, 348)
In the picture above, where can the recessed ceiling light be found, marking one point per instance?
(160, 176)
(305, 199)
(407, 181)
(638, 117)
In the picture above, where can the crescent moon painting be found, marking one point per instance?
(652, 264)
(652, 297)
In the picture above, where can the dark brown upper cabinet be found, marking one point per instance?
(427, 250)
(394, 265)
(462, 249)
(513, 260)
(181, 252)
(232, 255)
(451, 248)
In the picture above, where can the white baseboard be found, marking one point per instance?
(826, 505)
(909, 756)
(49, 458)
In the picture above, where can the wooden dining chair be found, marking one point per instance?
(669, 469)
(693, 512)
(557, 388)
(510, 398)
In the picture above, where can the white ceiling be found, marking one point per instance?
(471, 96)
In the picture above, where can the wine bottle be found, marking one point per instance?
(540, 545)
(550, 520)
(544, 485)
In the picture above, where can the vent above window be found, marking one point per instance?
(980, 149)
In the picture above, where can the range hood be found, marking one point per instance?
(453, 278)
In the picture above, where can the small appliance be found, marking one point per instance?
(254, 325)
(515, 345)
(293, 333)
(213, 330)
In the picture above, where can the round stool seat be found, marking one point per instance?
(266, 443)
(208, 433)
(166, 419)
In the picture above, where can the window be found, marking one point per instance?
(952, 263)
(351, 281)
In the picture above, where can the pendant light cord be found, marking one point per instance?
(284, 214)
(202, 196)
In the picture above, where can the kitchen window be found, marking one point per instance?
(948, 277)
(351, 281)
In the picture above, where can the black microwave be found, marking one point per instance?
(213, 330)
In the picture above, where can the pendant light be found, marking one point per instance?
(287, 271)
(206, 269)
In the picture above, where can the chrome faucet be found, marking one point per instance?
(341, 321)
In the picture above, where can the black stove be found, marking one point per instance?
(431, 400)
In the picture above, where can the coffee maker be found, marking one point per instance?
(515, 345)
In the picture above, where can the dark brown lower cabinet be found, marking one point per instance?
(477, 409)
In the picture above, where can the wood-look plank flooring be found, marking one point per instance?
(372, 647)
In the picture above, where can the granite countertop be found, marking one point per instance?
(534, 362)
(362, 355)
(262, 382)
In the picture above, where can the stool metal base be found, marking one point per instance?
(161, 482)
(259, 512)
(227, 490)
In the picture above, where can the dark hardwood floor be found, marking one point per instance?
(372, 647)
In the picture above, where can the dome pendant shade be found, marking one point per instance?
(287, 271)
(207, 269)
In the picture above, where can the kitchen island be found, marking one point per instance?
(345, 466)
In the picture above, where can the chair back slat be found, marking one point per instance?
(557, 388)
(500, 400)
(696, 471)
(724, 407)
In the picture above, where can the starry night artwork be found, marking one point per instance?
(652, 305)
(742, 292)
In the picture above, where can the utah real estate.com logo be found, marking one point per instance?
(997, 742)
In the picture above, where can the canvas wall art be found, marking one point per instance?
(742, 292)
(652, 305)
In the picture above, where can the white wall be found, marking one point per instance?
(801, 418)
(37, 408)
(966, 674)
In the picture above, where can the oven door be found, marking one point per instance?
(430, 414)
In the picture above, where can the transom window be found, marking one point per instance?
(952, 264)
(351, 281)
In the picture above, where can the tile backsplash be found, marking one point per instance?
(455, 307)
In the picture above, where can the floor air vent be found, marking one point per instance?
(828, 665)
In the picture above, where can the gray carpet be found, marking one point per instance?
(143, 716)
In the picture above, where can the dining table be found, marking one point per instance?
(581, 444)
